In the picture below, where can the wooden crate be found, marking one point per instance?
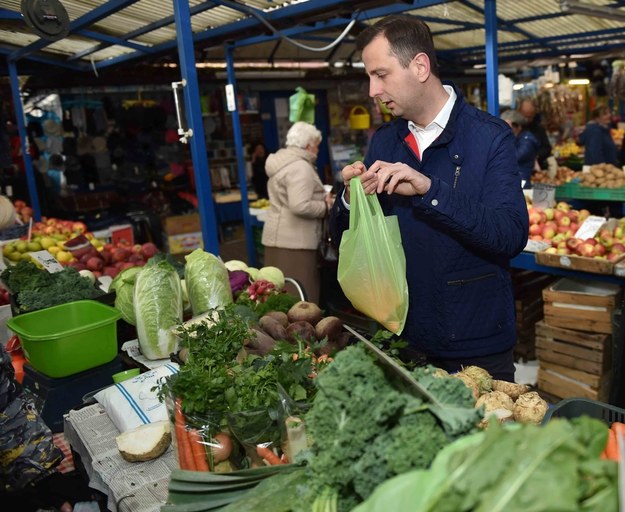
(528, 301)
(581, 305)
(573, 262)
(573, 363)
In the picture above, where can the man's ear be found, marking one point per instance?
(421, 66)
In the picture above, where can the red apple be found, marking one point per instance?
(79, 227)
(563, 206)
(618, 248)
(110, 271)
(148, 250)
(585, 249)
(548, 232)
(120, 254)
(572, 243)
(95, 263)
(591, 241)
(599, 250)
(535, 229)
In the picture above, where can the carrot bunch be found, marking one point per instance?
(191, 453)
(611, 450)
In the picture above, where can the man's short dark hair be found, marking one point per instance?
(407, 36)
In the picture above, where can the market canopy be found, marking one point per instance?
(102, 35)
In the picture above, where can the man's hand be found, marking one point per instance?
(399, 178)
(348, 172)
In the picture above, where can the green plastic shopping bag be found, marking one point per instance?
(302, 106)
(372, 264)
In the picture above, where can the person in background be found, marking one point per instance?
(298, 204)
(527, 108)
(448, 171)
(525, 143)
(259, 176)
(29, 480)
(599, 147)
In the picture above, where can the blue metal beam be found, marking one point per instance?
(193, 114)
(492, 66)
(7, 14)
(238, 147)
(291, 12)
(88, 19)
(97, 36)
(144, 30)
(48, 60)
(21, 127)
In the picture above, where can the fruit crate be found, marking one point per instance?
(575, 191)
(575, 407)
(13, 232)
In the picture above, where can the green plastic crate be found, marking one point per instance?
(575, 407)
(69, 338)
(575, 191)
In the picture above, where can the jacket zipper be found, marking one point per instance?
(462, 282)
(456, 176)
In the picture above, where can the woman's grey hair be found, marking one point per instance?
(514, 117)
(302, 134)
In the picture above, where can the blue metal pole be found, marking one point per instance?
(21, 126)
(193, 112)
(492, 66)
(238, 146)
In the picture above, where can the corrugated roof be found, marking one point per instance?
(528, 29)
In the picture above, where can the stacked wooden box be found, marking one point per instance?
(574, 341)
(528, 300)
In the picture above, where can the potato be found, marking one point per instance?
(280, 316)
(304, 311)
(301, 329)
(514, 391)
(272, 327)
(530, 408)
(329, 327)
(145, 442)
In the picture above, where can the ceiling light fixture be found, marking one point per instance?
(579, 81)
(597, 11)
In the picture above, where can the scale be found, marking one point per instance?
(55, 397)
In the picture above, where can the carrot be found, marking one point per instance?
(197, 449)
(271, 458)
(185, 456)
(611, 447)
(619, 430)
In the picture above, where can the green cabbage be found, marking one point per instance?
(208, 284)
(124, 284)
(158, 308)
(273, 275)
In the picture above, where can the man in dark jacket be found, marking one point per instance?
(448, 171)
(527, 108)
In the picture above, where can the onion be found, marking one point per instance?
(221, 446)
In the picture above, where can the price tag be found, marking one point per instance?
(536, 246)
(590, 227)
(544, 196)
(47, 260)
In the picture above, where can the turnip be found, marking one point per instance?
(144, 443)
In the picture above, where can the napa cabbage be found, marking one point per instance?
(208, 284)
(158, 307)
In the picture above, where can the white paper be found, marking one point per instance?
(131, 348)
(48, 261)
(134, 486)
(590, 227)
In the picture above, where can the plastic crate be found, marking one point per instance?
(575, 407)
(13, 232)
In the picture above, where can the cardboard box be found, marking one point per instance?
(581, 305)
(183, 243)
(179, 224)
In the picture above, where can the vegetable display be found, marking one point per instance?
(362, 425)
(554, 467)
(36, 288)
(207, 281)
(157, 302)
(123, 284)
